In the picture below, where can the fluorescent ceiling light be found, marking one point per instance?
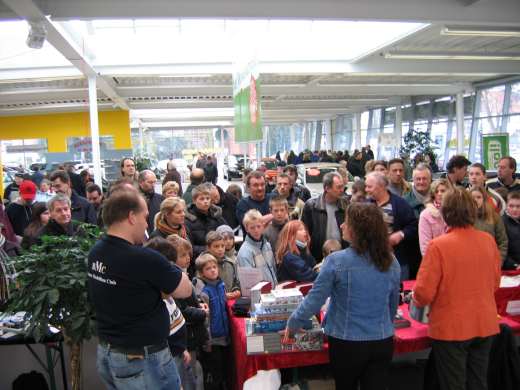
(484, 31)
(368, 84)
(185, 113)
(168, 76)
(403, 55)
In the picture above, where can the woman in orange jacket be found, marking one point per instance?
(459, 275)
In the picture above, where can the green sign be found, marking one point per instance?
(494, 147)
(246, 101)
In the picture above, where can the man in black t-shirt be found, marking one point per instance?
(126, 283)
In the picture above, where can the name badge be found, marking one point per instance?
(259, 260)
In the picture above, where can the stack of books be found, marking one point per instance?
(269, 316)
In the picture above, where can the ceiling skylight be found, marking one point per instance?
(190, 41)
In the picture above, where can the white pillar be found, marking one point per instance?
(398, 129)
(292, 138)
(306, 136)
(459, 109)
(94, 129)
(141, 139)
(265, 135)
(327, 130)
(356, 128)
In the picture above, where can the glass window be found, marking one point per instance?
(514, 105)
(491, 101)
(513, 128)
(364, 120)
(376, 118)
(389, 115)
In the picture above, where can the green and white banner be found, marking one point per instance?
(494, 147)
(246, 100)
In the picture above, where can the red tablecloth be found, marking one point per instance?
(412, 339)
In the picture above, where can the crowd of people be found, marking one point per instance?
(160, 277)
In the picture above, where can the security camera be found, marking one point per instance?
(37, 35)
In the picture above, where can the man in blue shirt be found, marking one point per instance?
(257, 199)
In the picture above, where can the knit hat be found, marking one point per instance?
(225, 229)
(27, 190)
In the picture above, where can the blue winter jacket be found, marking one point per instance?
(215, 292)
(297, 267)
(363, 300)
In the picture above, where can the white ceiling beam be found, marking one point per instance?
(51, 108)
(488, 12)
(374, 65)
(57, 37)
(325, 90)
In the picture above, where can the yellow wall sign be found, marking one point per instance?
(56, 128)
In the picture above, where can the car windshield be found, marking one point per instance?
(315, 175)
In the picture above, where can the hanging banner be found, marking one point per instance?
(494, 147)
(246, 101)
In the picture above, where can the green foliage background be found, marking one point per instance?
(52, 285)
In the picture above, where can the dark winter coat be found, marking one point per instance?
(504, 362)
(153, 201)
(211, 173)
(55, 229)
(315, 218)
(228, 204)
(355, 167)
(297, 267)
(78, 184)
(200, 224)
(82, 210)
(513, 249)
(19, 215)
(195, 321)
(405, 220)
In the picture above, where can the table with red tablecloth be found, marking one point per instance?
(410, 339)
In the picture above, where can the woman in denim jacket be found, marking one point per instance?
(363, 283)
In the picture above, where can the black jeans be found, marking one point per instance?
(363, 362)
(462, 365)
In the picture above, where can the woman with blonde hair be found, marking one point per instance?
(170, 219)
(488, 220)
(431, 224)
(293, 258)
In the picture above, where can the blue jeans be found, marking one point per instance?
(155, 371)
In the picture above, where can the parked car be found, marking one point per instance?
(311, 175)
(234, 166)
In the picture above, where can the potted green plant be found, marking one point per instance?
(417, 142)
(51, 280)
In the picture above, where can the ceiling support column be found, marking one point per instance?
(398, 129)
(459, 110)
(94, 130)
(356, 127)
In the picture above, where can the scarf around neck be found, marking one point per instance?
(163, 226)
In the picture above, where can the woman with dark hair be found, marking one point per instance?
(40, 217)
(459, 275)
(362, 282)
(293, 258)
